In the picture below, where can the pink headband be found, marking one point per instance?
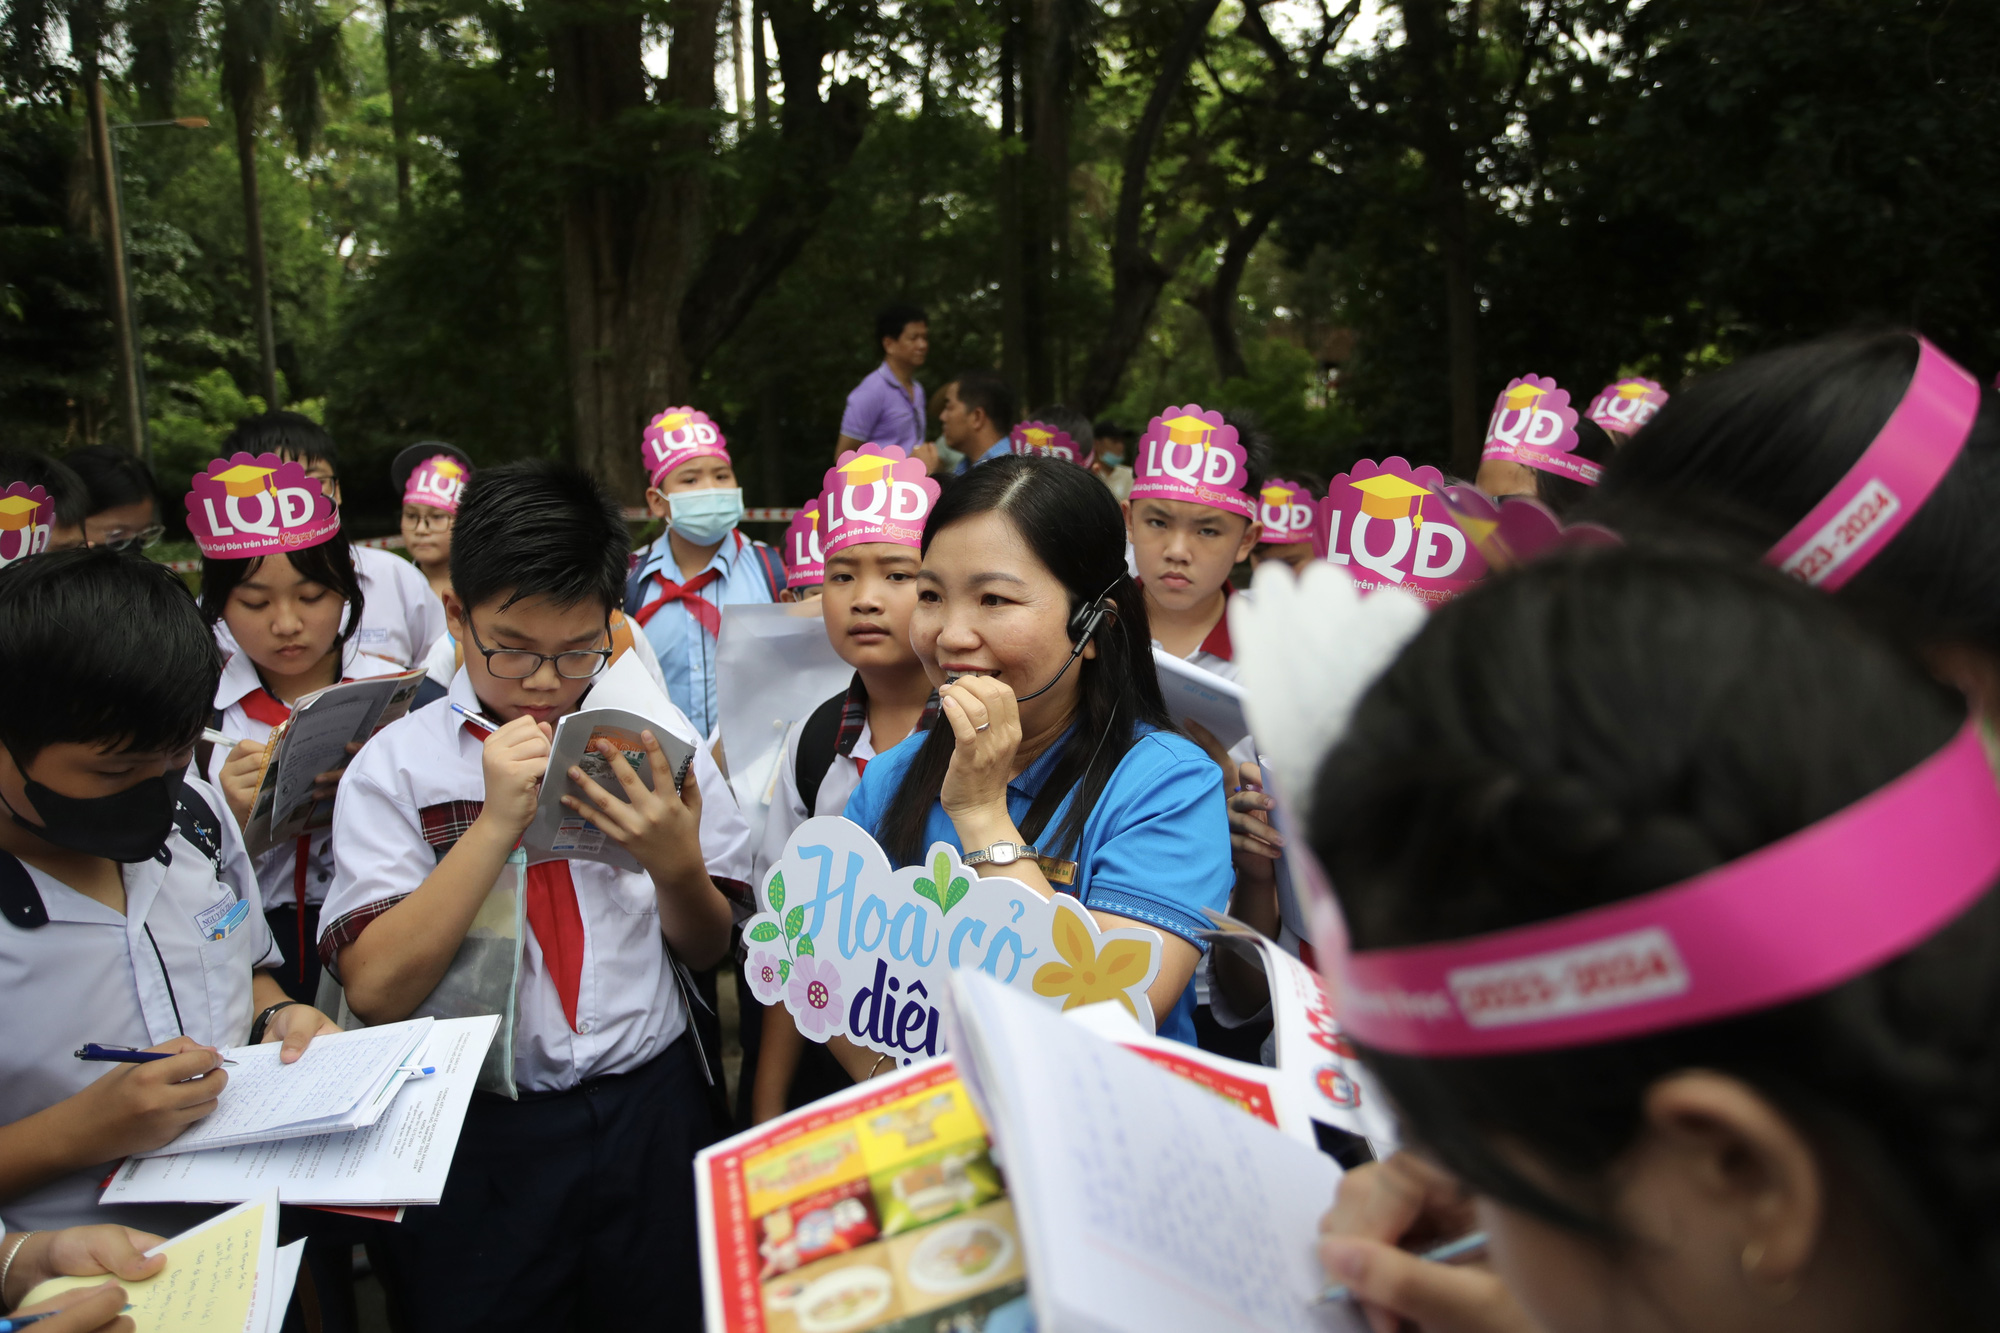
(1534, 425)
(805, 564)
(1191, 455)
(1287, 511)
(27, 521)
(243, 508)
(1041, 440)
(876, 493)
(680, 435)
(1789, 920)
(1388, 523)
(437, 482)
(1625, 405)
(1890, 481)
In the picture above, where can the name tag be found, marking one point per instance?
(373, 635)
(220, 920)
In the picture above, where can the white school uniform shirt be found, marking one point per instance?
(277, 868)
(177, 960)
(788, 808)
(416, 787)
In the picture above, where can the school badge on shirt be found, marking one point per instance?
(219, 921)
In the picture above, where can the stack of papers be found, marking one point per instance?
(225, 1276)
(401, 1157)
(344, 1081)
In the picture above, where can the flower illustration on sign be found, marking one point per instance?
(938, 890)
(767, 973)
(815, 998)
(1087, 975)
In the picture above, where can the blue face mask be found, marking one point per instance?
(1109, 459)
(705, 517)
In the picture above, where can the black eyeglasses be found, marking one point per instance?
(121, 539)
(519, 664)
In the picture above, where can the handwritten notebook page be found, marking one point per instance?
(338, 1075)
(211, 1283)
(1147, 1203)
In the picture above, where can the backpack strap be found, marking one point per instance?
(20, 900)
(817, 740)
(199, 825)
(774, 567)
(204, 749)
(635, 586)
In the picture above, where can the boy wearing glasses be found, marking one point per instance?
(557, 1198)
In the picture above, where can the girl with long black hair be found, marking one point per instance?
(1058, 764)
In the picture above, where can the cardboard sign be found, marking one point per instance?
(27, 521)
(854, 948)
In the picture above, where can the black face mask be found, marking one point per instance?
(126, 826)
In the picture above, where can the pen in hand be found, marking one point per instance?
(123, 1055)
(1468, 1246)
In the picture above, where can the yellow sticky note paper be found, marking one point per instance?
(209, 1283)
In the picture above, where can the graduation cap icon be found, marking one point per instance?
(1388, 496)
(1189, 429)
(1521, 397)
(245, 480)
(863, 469)
(1038, 436)
(672, 421)
(18, 512)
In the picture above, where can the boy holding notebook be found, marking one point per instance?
(558, 1199)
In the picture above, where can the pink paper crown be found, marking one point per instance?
(1891, 480)
(1388, 523)
(1792, 919)
(244, 507)
(1287, 511)
(27, 521)
(1191, 455)
(1534, 424)
(876, 493)
(1042, 440)
(805, 563)
(438, 482)
(676, 436)
(1625, 405)
(1511, 532)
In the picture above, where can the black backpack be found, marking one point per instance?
(817, 743)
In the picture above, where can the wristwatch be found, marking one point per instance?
(263, 1021)
(1000, 854)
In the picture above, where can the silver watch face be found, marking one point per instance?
(1004, 853)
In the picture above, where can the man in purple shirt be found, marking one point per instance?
(888, 406)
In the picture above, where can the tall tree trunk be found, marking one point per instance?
(761, 61)
(1217, 301)
(253, 250)
(398, 125)
(1436, 86)
(1137, 275)
(732, 13)
(1050, 57)
(1014, 298)
(132, 404)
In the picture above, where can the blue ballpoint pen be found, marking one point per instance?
(9, 1324)
(122, 1055)
(1465, 1247)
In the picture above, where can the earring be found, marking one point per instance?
(1777, 1293)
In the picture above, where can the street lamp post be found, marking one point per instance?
(124, 309)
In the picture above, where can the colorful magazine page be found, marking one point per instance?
(877, 1208)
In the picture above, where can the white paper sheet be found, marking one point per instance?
(284, 1276)
(1147, 1205)
(1204, 696)
(773, 666)
(402, 1159)
(333, 1087)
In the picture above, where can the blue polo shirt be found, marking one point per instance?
(1155, 848)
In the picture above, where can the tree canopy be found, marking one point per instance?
(522, 225)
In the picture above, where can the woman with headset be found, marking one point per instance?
(1057, 764)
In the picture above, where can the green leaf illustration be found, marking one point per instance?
(785, 970)
(764, 932)
(795, 921)
(777, 893)
(928, 889)
(805, 946)
(941, 868)
(959, 888)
